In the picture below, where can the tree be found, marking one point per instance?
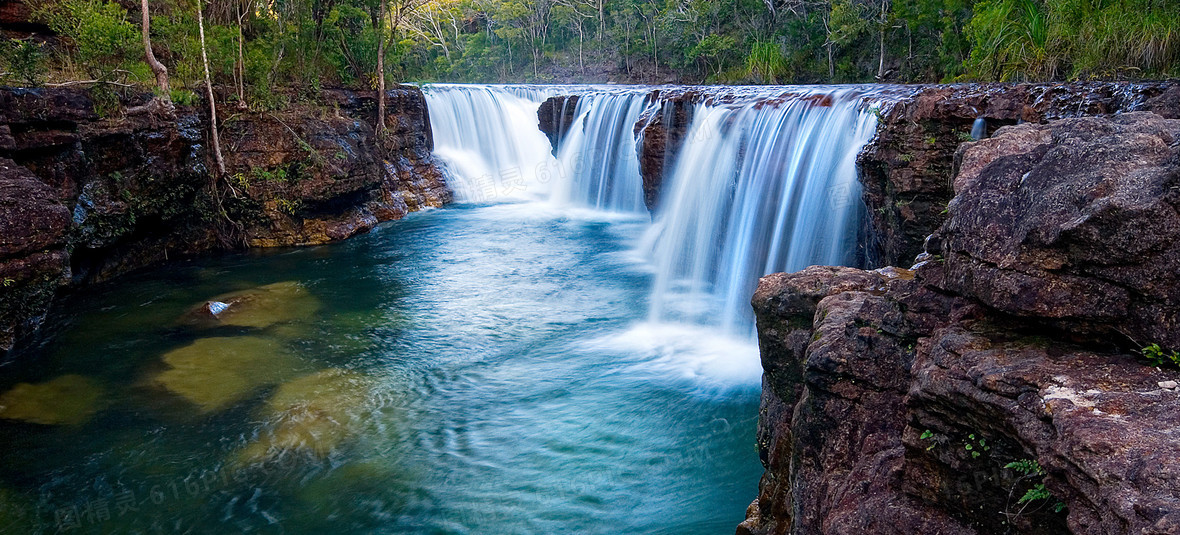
(158, 68)
(398, 11)
(209, 92)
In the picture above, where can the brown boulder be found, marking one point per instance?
(1074, 221)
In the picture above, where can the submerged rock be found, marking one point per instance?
(261, 307)
(313, 414)
(65, 400)
(215, 373)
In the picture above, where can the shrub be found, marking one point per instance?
(25, 61)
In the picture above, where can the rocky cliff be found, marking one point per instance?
(997, 387)
(88, 192)
(907, 169)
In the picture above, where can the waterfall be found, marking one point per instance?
(487, 138)
(598, 157)
(759, 187)
(979, 129)
(764, 182)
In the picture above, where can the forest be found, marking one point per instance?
(252, 47)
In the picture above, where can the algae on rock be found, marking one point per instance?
(261, 307)
(66, 400)
(215, 373)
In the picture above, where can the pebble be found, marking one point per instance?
(1170, 385)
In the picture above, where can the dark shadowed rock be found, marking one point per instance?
(555, 117)
(33, 234)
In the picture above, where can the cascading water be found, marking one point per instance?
(598, 156)
(759, 187)
(487, 137)
(764, 182)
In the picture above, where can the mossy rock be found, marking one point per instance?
(65, 400)
(215, 373)
(313, 414)
(261, 307)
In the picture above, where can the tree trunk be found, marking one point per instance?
(158, 68)
(209, 93)
(381, 70)
(831, 64)
(881, 64)
(241, 61)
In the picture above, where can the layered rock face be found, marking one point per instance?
(136, 189)
(659, 135)
(896, 401)
(907, 170)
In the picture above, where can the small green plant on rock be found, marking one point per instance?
(976, 446)
(287, 206)
(1031, 469)
(1159, 357)
(928, 435)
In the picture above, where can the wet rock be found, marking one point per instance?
(555, 117)
(313, 414)
(894, 401)
(215, 373)
(65, 400)
(660, 134)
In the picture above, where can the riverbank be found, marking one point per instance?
(90, 193)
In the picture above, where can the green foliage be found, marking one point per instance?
(289, 207)
(183, 97)
(24, 60)
(1052, 39)
(290, 49)
(105, 99)
(1159, 357)
(767, 64)
(1028, 467)
(104, 39)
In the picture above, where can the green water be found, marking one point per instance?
(470, 370)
